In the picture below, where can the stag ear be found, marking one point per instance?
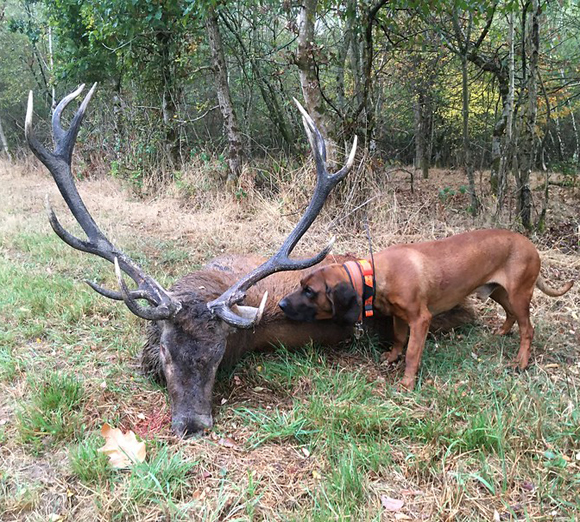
(346, 304)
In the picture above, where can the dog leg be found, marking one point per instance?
(419, 328)
(521, 309)
(500, 296)
(400, 332)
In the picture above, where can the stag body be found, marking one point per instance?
(186, 352)
(196, 317)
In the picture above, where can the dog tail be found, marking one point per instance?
(541, 284)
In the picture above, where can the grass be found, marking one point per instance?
(52, 412)
(314, 434)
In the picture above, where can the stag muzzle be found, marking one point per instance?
(191, 425)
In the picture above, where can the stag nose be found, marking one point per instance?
(191, 426)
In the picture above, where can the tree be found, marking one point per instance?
(527, 123)
(305, 60)
(4, 142)
(235, 154)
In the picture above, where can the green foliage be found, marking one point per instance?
(162, 477)
(89, 465)
(53, 412)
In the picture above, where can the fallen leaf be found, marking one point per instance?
(198, 494)
(141, 416)
(392, 504)
(123, 449)
(496, 517)
(227, 443)
(53, 517)
(258, 389)
(316, 474)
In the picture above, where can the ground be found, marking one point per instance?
(311, 435)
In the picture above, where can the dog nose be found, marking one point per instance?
(283, 304)
(192, 426)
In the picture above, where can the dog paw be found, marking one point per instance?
(407, 384)
(519, 363)
(502, 331)
(390, 357)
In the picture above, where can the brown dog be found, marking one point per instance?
(414, 282)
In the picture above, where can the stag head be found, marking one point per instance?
(191, 327)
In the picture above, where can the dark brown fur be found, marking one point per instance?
(198, 343)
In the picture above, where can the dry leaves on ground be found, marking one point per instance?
(123, 450)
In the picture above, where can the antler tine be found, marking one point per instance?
(162, 310)
(318, 146)
(57, 130)
(59, 165)
(281, 261)
(117, 296)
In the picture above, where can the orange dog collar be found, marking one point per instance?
(361, 277)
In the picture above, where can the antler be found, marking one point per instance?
(59, 165)
(281, 261)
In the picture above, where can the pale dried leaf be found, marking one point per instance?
(226, 442)
(123, 450)
(392, 504)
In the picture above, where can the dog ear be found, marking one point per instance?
(346, 304)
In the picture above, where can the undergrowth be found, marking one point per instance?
(315, 434)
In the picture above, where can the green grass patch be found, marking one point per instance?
(88, 464)
(53, 412)
(163, 477)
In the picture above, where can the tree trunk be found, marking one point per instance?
(168, 95)
(422, 131)
(528, 142)
(235, 156)
(509, 112)
(308, 75)
(576, 154)
(4, 142)
(467, 164)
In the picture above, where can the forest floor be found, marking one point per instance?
(309, 435)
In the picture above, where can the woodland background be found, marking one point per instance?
(475, 85)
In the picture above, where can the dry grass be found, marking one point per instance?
(234, 476)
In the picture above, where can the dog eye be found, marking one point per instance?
(308, 292)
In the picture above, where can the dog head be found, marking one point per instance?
(325, 293)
